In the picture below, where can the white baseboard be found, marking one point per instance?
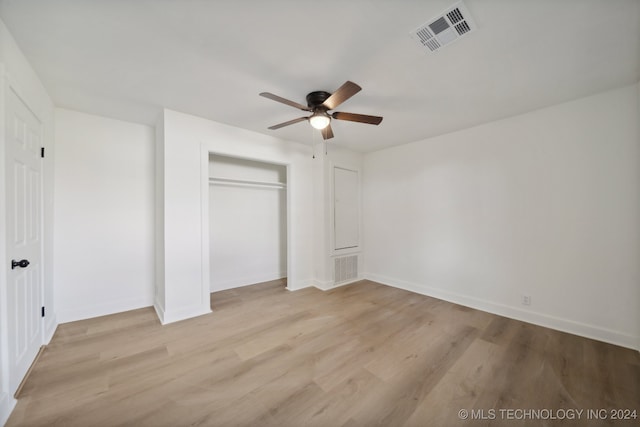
(96, 310)
(50, 326)
(182, 313)
(159, 308)
(536, 318)
(323, 285)
(329, 284)
(296, 285)
(7, 403)
(247, 280)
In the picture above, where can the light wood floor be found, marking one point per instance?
(360, 355)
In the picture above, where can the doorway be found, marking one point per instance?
(247, 222)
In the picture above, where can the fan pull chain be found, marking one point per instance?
(315, 138)
(313, 142)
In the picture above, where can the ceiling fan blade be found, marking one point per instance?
(343, 93)
(327, 133)
(284, 101)
(360, 118)
(290, 122)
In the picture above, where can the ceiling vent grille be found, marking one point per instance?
(445, 28)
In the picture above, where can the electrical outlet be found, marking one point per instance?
(526, 299)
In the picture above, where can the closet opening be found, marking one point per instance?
(248, 212)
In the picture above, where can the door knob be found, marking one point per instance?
(22, 263)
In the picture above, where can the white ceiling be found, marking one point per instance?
(129, 59)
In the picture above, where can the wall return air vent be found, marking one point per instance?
(345, 269)
(445, 28)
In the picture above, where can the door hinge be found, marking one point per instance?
(42, 311)
(42, 152)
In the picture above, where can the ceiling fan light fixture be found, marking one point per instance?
(319, 103)
(319, 120)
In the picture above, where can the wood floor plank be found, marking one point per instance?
(417, 381)
(360, 355)
(341, 403)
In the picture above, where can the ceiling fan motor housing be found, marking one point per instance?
(315, 99)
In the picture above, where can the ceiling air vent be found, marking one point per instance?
(445, 28)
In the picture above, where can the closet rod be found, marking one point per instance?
(247, 183)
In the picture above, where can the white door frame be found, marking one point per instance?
(7, 402)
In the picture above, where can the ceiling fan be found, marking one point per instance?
(319, 103)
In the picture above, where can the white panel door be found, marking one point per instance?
(346, 218)
(24, 209)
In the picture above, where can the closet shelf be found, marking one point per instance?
(246, 183)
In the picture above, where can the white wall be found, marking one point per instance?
(16, 72)
(248, 223)
(104, 215)
(188, 140)
(545, 204)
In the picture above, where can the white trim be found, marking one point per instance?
(158, 307)
(540, 319)
(6, 406)
(324, 285)
(205, 273)
(338, 253)
(289, 225)
(333, 252)
(301, 284)
(328, 285)
(50, 326)
(184, 313)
